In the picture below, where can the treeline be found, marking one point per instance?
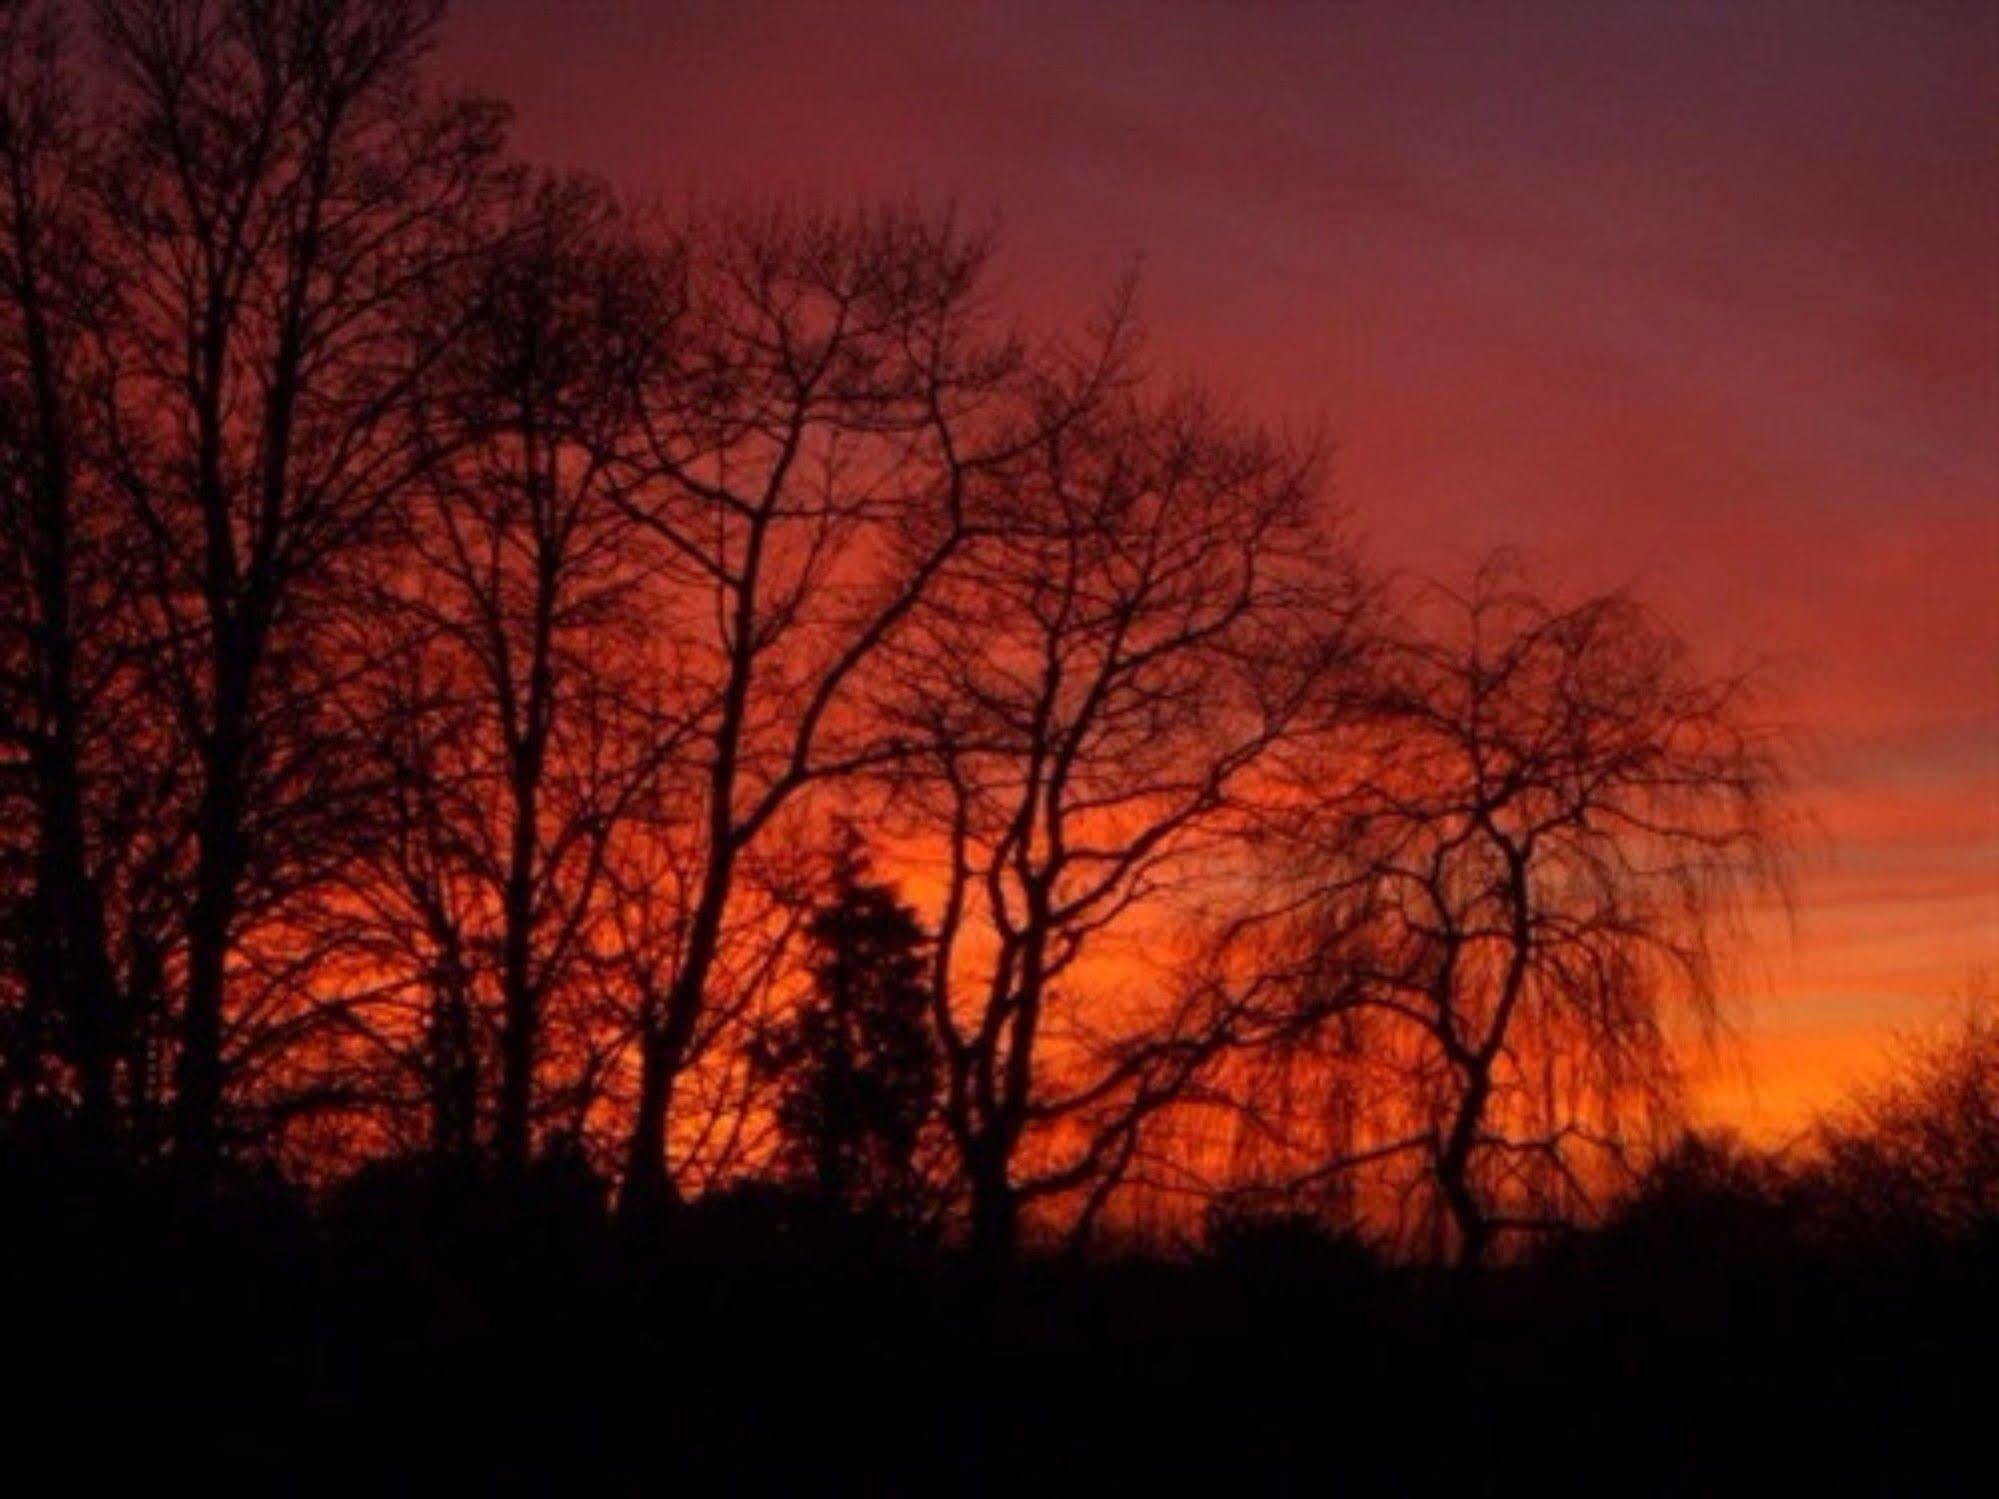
(503, 680)
(1822, 1313)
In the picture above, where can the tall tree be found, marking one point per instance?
(285, 197)
(841, 403)
(59, 553)
(1098, 688)
(518, 730)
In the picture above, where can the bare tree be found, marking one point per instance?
(54, 531)
(520, 727)
(811, 466)
(99, 776)
(1530, 862)
(1098, 688)
(1920, 1148)
(283, 195)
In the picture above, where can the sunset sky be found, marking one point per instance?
(1699, 296)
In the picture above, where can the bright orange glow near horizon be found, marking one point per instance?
(1702, 297)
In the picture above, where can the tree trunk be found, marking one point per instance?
(647, 1188)
(1453, 1169)
(648, 1185)
(995, 1213)
(69, 935)
(454, 1075)
(70, 953)
(198, 1068)
(520, 1014)
(211, 919)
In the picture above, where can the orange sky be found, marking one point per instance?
(1704, 296)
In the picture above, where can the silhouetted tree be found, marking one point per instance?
(516, 724)
(1532, 859)
(1097, 687)
(857, 1064)
(284, 198)
(840, 402)
(58, 549)
(1918, 1150)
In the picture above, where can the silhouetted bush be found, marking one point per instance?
(1917, 1151)
(1277, 1252)
(1708, 1197)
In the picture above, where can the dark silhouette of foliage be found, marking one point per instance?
(1096, 696)
(1529, 857)
(858, 1067)
(1284, 1253)
(1707, 1203)
(1921, 1145)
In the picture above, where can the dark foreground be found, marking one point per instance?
(417, 1335)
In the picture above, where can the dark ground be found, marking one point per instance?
(416, 1335)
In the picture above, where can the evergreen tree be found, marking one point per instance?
(858, 1063)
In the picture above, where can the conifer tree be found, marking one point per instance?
(858, 1064)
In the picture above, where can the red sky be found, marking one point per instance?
(1701, 296)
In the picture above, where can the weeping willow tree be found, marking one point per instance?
(1520, 884)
